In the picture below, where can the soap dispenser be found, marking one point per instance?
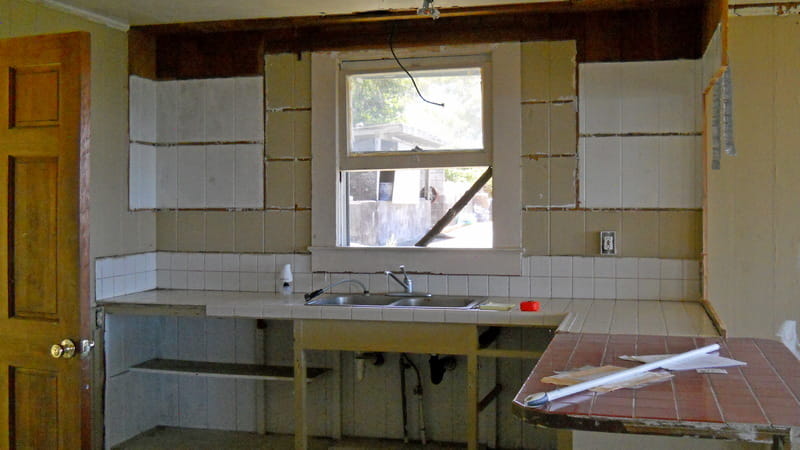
(286, 278)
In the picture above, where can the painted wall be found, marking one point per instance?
(114, 230)
(754, 219)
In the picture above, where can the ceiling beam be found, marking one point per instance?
(269, 24)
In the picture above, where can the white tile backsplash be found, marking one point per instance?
(519, 286)
(561, 287)
(582, 266)
(457, 285)
(498, 286)
(124, 275)
(605, 267)
(649, 268)
(572, 277)
(605, 288)
(478, 285)
(540, 287)
(583, 287)
(561, 266)
(249, 263)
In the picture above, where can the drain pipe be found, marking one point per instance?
(405, 363)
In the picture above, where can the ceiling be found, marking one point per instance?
(147, 12)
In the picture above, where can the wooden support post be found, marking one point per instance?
(472, 401)
(336, 415)
(300, 425)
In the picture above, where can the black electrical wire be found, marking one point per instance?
(391, 48)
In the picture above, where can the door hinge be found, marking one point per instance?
(99, 318)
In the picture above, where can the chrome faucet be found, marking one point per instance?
(408, 285)
(406, 282)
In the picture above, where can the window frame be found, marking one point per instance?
(327, 163)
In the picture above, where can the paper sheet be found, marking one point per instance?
(698, 362)
(590, 373)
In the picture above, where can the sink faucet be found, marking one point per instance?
(408, 285)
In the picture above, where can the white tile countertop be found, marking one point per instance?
(671, 318)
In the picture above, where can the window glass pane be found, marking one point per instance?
(395, 208)
(386, 114)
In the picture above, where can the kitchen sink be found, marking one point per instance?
(439, 301)
(435, 301)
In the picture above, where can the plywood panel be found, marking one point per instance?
(748, 280)
(787, 166)
(34, 408)
(32, 257)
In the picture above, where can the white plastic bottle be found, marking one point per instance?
(286, 278)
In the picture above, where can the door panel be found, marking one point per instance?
(33, 96)
(32, 253)
(33, 400)
(44, 240)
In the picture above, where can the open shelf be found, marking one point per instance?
(224, 370)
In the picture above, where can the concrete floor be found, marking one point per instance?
(198, 439)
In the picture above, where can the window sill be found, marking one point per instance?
(421, 260)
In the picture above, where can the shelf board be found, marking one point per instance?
(224, 370)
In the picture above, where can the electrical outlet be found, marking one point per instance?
(608, 242)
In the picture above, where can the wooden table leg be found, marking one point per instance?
(300, 425)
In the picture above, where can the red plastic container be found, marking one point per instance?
(529, 306)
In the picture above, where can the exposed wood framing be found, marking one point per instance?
(630, 30)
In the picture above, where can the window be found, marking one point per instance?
(398, 207)
(387, 166)
(389, 127)
(385, 114)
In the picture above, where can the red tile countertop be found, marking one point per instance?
(755, 402)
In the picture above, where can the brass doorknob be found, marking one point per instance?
(64, 350)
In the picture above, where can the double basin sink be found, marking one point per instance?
(394, 301)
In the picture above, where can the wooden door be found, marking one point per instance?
(44, 131)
